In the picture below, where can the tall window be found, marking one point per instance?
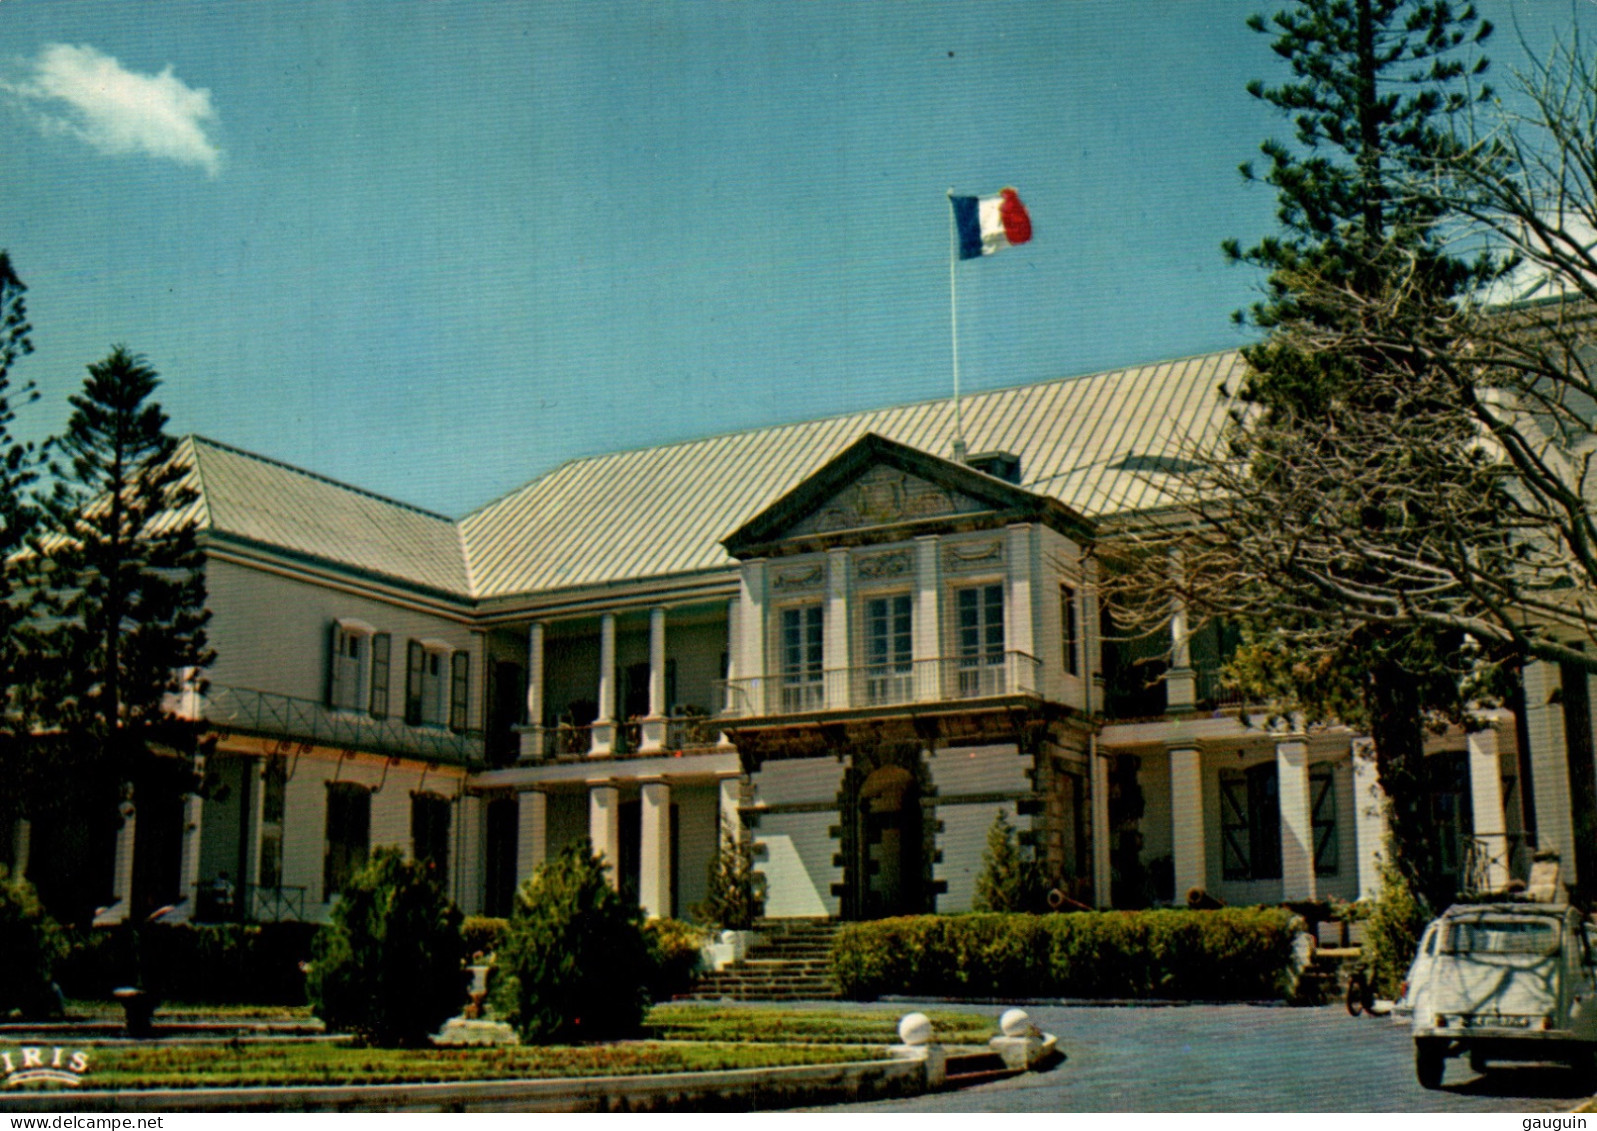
(1067, 629)
(802, 686)
(274, 798)
(437, 686)
(1250, 823)
(981, 640)
(889, 668)
(349, 823)
(429, 833)
(346, 685)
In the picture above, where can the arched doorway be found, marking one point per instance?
(887, 875)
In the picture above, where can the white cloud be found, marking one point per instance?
(87, 94)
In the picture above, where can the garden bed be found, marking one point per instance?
(290, 1063)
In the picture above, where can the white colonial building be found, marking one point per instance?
(843, 639)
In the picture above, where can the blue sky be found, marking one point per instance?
(436, 249)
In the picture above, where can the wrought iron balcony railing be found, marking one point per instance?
(683, 734)
(944, 679)
(259, 713)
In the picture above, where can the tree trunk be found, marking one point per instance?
(1397, 727)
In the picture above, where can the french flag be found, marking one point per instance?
(985, 224)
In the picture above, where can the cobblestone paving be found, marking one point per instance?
(1244, 1058)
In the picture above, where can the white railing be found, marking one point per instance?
(946, 678)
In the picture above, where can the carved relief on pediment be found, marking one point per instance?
(883, 496)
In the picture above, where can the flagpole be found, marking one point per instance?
(953, 323)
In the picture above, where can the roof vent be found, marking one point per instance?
(1000, 465)
(1167, 465)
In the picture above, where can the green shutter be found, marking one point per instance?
(415, 657)
(335, 638)
(459, 690)
(379, 696)
(1235, 843)
(1323, 818)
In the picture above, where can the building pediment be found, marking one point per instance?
(880, 490)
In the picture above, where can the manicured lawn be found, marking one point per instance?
(810, 1026)
(310, 1062)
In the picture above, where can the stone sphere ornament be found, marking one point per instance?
(1015, 1023)
(915, 1029)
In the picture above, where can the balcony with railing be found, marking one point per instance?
(1212, 692)
(262, 714)
(684, 734)
(939, 680)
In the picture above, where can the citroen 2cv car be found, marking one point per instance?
(1505, 981)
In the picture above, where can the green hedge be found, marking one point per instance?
(1228, 955)
(256, 964)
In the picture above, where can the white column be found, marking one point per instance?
(468, 868)
(654, 882)
(532, 738)
(729, 700)
(926, 644)
(189, 860)
(1098, 767)
(1019, 610)
(604, 727)
(1549, 770)
(121, 871)
(834, 638)
(1486, 804)
(1297, 822)
(751, 629)
(1186, 821)
(21, 846)
(604, 826)
(532, 832)
(1369, 818)
(654, 727)
(1181, 685)
(254, 784)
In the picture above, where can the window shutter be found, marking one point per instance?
(1235, 843)
(1323, 819)
(335, 644)
(415, 657)
(379, 697)
(459, 690)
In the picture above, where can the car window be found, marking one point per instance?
(1501, 936)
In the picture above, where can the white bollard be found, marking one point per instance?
(1015, 1023)
(915, 1029)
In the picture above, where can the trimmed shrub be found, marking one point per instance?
(257, 964)
(1227, 955)
(389, 967)
(674, 953)
(734, 892)
(483, 934)
(30, 945)
(574, 963)
(1392, 932)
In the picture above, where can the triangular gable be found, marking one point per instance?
(876, 483)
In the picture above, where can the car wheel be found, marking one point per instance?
(1430, 1061)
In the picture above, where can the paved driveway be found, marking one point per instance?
(1244, 1058)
